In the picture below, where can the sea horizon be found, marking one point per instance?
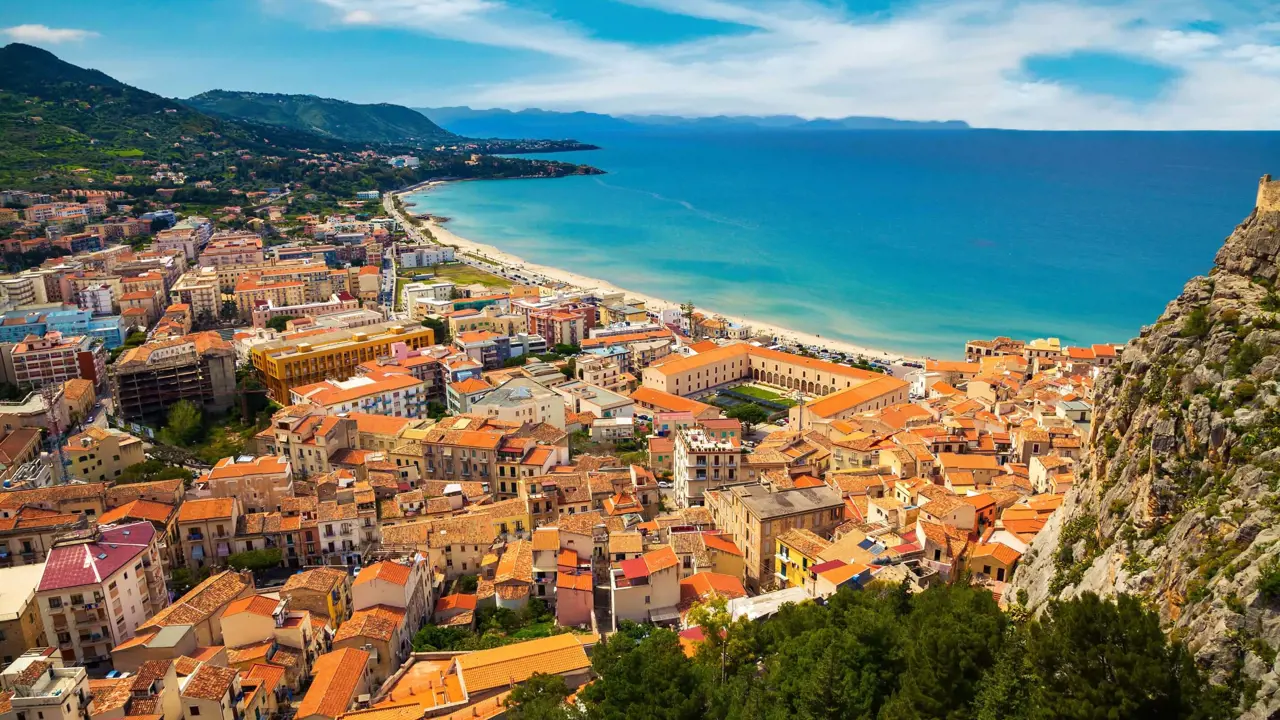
(905, 241)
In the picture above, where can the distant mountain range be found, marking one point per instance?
(380, 123)
(498, 122)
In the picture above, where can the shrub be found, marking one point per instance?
(1269, 579)
(1196, 324)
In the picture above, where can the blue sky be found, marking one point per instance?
(1049, 64)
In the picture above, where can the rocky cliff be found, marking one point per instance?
(1178, 499)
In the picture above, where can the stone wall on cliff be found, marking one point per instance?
(1178, 499)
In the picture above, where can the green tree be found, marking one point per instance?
(255, 560)
(1095, 658)
(645, 678)
(279, 323)
(953, 635)
(749, 414)
(151, 471)
(433, 638)
(541, 697)
(440, 329)
(686, 310)
(230, 310)
(184, 424)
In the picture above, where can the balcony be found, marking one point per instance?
(195, 536)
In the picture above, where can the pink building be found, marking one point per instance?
(574, 600)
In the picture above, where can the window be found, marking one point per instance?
(194, 710)
(55, 602)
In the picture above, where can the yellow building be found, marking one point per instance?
(285, 364)
(99, 455)
(325, 591)
(798, 550)
(509, 518)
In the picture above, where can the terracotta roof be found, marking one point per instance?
(254, 604)
(206, 509)
(270, 675)
(251, 652)
(210, 682)
(379, 622)
(457, 601)
(336, 676)
(201, 601)
(392, 572)
(500, 667)
(108, 694)
(701, 585)
(318, 579)
(804, 541)
(1002, 553)
(138, 510)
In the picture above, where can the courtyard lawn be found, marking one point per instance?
(763, 394)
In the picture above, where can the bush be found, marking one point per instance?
(1269, 579)
(255, 560)
(1196, 324)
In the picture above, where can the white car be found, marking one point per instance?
(664, 484)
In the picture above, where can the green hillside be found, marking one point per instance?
(383, 123)
(59, 121)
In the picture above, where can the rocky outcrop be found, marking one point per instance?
(1179, 496)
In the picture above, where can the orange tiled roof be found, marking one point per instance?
(485, 670)
(206, 509)
(392, 572)
(336, 676)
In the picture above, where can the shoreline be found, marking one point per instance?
(782, 335)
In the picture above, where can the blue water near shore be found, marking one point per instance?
(907, 241)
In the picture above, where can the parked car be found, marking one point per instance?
(664, 484)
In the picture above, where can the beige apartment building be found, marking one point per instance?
(702, 461)
(260, 483)
(100, 455)
(205, 530)
(198, 289)
(754, 516)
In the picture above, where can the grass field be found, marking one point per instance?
(763, 394)
(463, 275)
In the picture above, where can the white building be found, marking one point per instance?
(701, 461)
(377, 393)
(96, 299)
(522, 400)
(97, 590)
(584, 397)
(435, 290)
(425, 255)
(43, 689)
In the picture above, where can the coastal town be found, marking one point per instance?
(271, 462)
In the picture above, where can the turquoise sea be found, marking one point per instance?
(912, 241)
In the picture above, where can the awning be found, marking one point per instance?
(664, 615)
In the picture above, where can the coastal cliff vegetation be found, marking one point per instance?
(1178, 500)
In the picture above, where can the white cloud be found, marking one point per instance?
(43, 34)
(359, 17)
(956, 60)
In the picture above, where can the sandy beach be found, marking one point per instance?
(497, 256)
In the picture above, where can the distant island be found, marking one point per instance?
(543, 123)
